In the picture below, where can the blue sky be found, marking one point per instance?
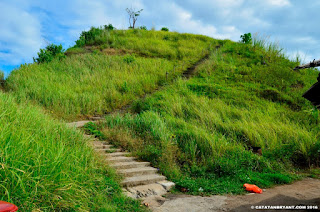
(28, 25)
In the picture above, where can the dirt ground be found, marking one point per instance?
(304, 193)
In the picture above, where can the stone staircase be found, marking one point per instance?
(140, 180)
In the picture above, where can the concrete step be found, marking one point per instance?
(102, 146)
(108, 150)
(142, 180)
(117, 154)
(129, 165)
(138, 171)
(77, 123)
(144, 191)
(120, 159)
(88, 136)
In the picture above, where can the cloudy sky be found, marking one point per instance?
(28, 25)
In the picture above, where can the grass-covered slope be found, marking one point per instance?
(200, 132)
(47, 166)
(90, 81)
(160, 44)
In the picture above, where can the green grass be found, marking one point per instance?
(89, 84)
(48, 166)
(199, 132)
(169, 45)
(84, 85)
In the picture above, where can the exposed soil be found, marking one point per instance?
(191, 70)
(186, 74)
(303, 193)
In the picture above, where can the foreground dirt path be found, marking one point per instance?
(305, 193)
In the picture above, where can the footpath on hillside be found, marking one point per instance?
(140, 180)
(186, 75)
(301, 195)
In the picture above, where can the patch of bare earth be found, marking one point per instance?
(303, 193)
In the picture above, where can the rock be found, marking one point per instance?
(167, 184)
(147, 190)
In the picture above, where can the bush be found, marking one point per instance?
(165, 29)
(129, 59)
(50, 52)
(246, 38)
(143, 28)
(1, 79)
(90, 36)
(109, 27)
(93, 129)
(1, 75)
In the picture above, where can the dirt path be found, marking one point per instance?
(304, 193)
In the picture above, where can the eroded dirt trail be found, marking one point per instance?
(305, 193)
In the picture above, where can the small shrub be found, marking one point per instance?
(1, 75)
(165, 29)
(124, 88)
(89, 37)
(1, 79)
(96, 51)
(50, 52)
(246, 38)
(166, 37)
(109, 27)
(143, 28)
(93, 129)
(129, 59)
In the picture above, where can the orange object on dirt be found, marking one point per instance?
(252, 188)
(7, 207)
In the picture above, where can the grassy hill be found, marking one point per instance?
(199, 131)
(110, 71)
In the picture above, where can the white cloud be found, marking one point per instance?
(220, 3)
(25, 24)
(278, 3)
(187, 24)
(305, 40)
(20, 35)
(184, 22)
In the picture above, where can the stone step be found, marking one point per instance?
(117, 154)
(120, 159)
(144, 191)
(96, 118)
(78, 124)
(138, 171)
(142, 180)
(129, 165)
(108, 150)
(102, 146)
(88, 136)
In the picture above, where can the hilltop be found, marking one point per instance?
(107, 71)
(201, 131)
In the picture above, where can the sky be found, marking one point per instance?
(28, 25)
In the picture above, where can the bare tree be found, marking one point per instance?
(133, 16)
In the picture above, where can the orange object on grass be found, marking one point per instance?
(252, 188)
(7, 207)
